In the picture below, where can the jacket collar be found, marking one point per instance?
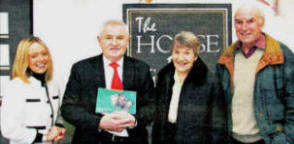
(129, 72)
(98, 70)
(198, 72)
(197, 75)
(272, 55)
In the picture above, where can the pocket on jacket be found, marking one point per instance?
(278, 138)
(32, 110)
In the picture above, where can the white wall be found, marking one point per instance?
(70, 27)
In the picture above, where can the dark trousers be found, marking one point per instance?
(170, 133)
(234, 141)
(108, 138)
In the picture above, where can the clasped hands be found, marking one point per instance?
(117, 121)
(55, 134)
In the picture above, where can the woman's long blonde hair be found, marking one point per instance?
(20, 67)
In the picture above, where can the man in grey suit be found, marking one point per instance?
(112, 70)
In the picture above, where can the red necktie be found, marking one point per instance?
(116, 82)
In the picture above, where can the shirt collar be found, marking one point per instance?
(108, 62)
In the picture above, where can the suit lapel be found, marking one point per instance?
(98, 68)
(128, 73)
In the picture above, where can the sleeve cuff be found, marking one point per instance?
(135, 125)
(99, 130)
(43, 138)
(59, 125)
(38, 138)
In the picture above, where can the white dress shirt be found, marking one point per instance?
(108, 72)
(174, 102)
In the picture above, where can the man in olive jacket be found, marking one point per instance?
(257, 77)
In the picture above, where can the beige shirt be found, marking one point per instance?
(244, 123)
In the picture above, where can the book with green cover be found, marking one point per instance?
(115, 100)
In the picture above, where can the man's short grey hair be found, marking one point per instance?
(113, 22)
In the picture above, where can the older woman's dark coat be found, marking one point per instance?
(201, 111)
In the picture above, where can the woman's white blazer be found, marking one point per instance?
(26, 110)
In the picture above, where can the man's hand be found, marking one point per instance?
(51, 134)
(61, 133)
(55, 134)
(125, 119)
(117, 121)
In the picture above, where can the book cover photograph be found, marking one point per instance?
(115, 100)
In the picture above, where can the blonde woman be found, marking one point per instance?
(31, 102)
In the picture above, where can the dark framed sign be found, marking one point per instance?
(16, 23)
(153, 26)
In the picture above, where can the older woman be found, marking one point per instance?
(189, 102)
(30, 105)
